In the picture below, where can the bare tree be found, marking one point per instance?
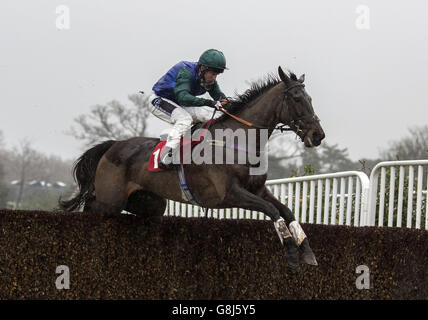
(54, 168)
(284, 146)
(42, 168)
(25, 157)
(412, 147)
(113, 121)
(282, 149)
(3, 188)
(24, 164)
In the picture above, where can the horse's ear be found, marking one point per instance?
(302, 78)
(283, 76)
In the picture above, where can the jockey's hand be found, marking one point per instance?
(211, 103)
(218, 105)
(224, 101)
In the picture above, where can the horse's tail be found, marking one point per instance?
(84, 174)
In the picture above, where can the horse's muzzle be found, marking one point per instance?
(313, 138)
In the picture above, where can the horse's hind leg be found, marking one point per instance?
(145, 204)
(110, 189)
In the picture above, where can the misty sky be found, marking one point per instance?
(368, 86)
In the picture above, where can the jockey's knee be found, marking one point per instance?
(182, 118)
(185, 124)
(187, 120)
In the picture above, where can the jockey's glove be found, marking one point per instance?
(210, 103)
(218, 105)
(227, 102)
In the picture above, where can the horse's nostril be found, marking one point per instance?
(319, 135)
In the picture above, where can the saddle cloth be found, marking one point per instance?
(155, 155)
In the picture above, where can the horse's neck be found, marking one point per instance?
(263, 112)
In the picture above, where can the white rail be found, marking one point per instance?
(321, 199)
(388, 206)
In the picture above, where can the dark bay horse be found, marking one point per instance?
(113, 175)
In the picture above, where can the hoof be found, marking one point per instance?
(308, 255)
(309, 258)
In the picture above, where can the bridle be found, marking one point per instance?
(296, 123)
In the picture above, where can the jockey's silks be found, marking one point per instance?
(181, 84)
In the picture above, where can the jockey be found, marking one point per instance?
(174, 98)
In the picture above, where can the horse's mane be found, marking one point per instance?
(257, 88)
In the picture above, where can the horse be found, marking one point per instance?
(112, 176)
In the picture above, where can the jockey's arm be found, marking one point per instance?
(182, 89)
(216, 93)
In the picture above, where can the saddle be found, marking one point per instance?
(155, 155)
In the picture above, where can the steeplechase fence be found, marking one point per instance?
(234, 257)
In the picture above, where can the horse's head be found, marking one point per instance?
(297, 111)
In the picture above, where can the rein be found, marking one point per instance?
(249, 124)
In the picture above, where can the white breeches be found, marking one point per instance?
(181, 118)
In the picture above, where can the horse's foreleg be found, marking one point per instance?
(240, 197)
(294, 226)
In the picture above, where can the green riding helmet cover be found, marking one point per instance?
(214, 60)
